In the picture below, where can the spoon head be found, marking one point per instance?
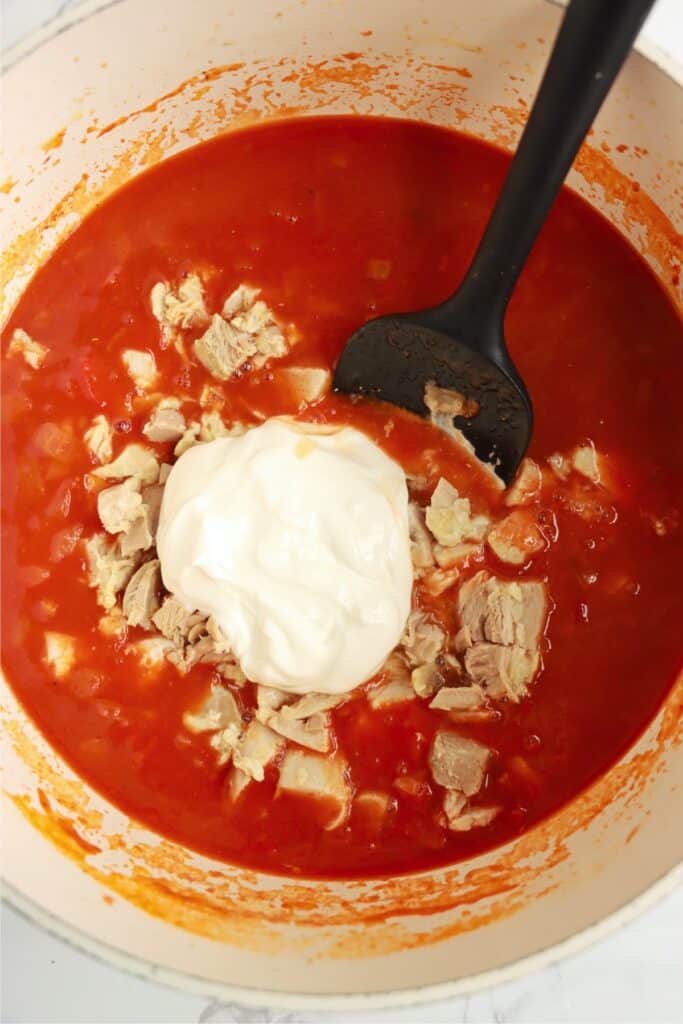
(393, 358)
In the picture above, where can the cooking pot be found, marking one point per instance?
(121, 86)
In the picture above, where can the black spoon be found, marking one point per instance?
(460, 345)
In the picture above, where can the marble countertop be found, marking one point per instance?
(633, 976)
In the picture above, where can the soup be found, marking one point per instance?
(209, 299)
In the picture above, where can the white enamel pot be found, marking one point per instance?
(119, 87)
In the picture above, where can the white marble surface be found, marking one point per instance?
(632, 977)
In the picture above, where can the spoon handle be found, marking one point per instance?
(592, 44)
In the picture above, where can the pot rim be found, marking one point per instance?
(148, 970)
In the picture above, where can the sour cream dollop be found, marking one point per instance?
(294, 537)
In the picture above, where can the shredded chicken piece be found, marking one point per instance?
(314, 732)
(422, 640)
(257, 748)
(516, 538)
(311, 704)
(108, 570)
(119, 506)
(31, 351)
(141, 367)
(60, 653)
(457, 556)
(138, 536)
(239, 301)
(526, 487)
(174, 621)
(450, 519)
(165, 424)
(426, 680)
(501, 627)
(269, 699)
(113, 624)
(212, 426)
(189, 439)
(141, 597)
(98, 438)
(458, 698)
(258, 322)
(559, 465)
(457, 762)
(223, 348)
(306, 384)
(585, 462)
(502, 671)
(421, 548)
(150, 652)
(466, 818)
(503, 612)
(151, 500)
(181, 310)
(394, 686)
(315, 776)
(443, 402)
(135, 460)
(438, 581)
(220, 715)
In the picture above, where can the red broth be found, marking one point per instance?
(301, 209)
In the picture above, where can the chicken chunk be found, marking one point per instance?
(60, 653)
(426, 680)
(98, 438)
(212, 426)
(138, 536)
(135, 460)
(585, 461)
(501, 628)
(502, 612)
(31, 351)
(165, 424)
(461, 816)
(108, 569)
(516, 538)
(220, 715)
(314, 732)
(448, 403)
(141, 367)
(119, 506)
(141, 597)
(174, 621)
(421, 549)
(473, 817)
(526, 486)
(458, 698)
(257, 748)
(223, 349)
(502, 671)
(306, 384)
(422, 639)
(457, 762)
(394, 686)
(449, 517)
(252, 316)
(178, 310)
(320, 777)
(269, 699)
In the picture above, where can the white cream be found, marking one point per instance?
(294, 537)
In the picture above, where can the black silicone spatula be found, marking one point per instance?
(460, 345)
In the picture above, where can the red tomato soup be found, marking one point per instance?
(337, 220)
